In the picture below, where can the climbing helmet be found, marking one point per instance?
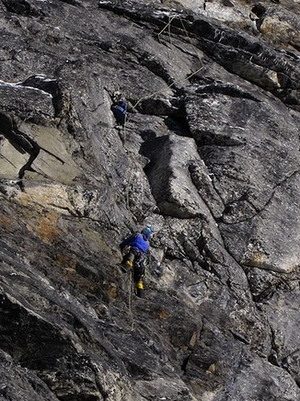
(147, 232)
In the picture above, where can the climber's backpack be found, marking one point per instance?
(120, 111)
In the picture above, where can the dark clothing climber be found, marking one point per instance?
(134, 250)
(119, 108)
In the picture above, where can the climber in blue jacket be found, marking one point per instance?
(119, 108)
(134, 250)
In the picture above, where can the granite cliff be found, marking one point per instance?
(209, 156)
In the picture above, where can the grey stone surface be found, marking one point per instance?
(209, 156)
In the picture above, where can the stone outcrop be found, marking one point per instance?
(209, 156)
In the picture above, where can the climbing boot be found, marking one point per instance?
(127, 266)
(140, 289)
(129, 263)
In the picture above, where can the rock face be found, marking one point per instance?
(209, 156)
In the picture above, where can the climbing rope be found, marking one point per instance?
(168, 25)
(128, 188)
(123, 131)
(130, 300)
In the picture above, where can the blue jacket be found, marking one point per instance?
(119, 109)
(136, 242)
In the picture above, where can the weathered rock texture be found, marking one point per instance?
(209, 156)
